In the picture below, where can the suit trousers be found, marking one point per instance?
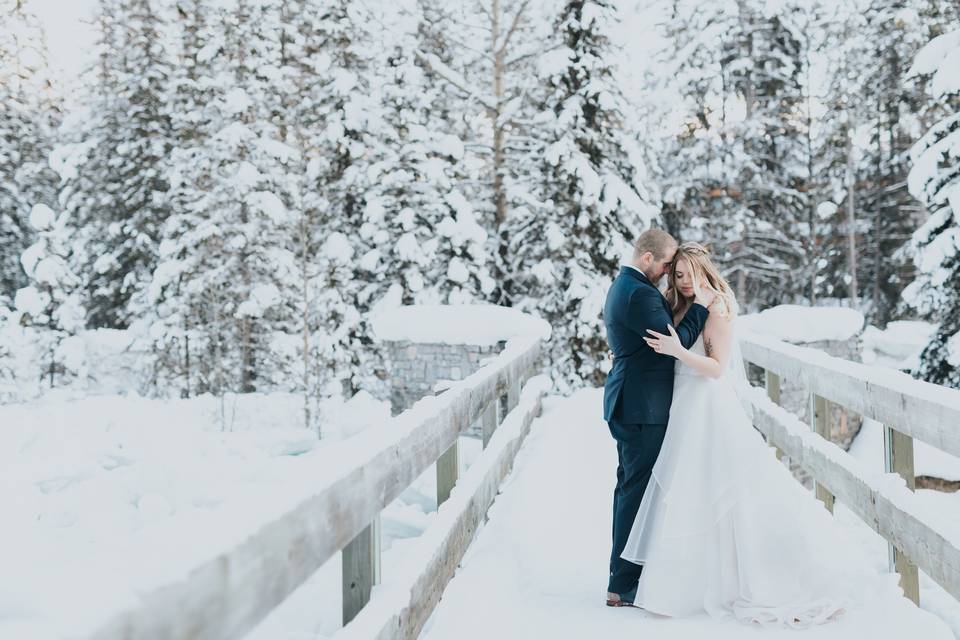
(638, 446)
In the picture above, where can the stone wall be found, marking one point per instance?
(414, 369)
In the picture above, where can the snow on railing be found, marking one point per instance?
(229, 594)
(908, 408)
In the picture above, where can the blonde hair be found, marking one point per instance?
(706, 273)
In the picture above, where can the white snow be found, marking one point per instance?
(262, 297)
(236, 101)
(457, 271)
(826, 210)
(798, 324)
(931, 57)
(899, 345)
(107, 495)
(29, 300)
(337, 248)
(42, 217)
(269, 204)
(927, 460)
(457, 324)
(538, 568)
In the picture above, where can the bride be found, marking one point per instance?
(723, 527)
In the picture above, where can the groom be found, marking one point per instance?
(639, 388)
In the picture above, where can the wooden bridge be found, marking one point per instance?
(537, 568)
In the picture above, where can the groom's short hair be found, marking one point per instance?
(656, 241)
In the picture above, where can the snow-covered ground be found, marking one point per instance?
(538, 567)
(108, 494)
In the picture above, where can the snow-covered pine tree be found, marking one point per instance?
(935, 181)
(735, 174)
(29, 115)
(566, 244)
(52, 301)
(493, 47)
(763, 65)
(181, 346)
(419, 230)
(837, 158)
(117, 198)
(697, 170)
(339, 115)
(226, 264)
(92, 188)
(895, 111)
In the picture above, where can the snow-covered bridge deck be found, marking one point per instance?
(538, 567)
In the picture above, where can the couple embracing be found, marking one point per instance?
(705, 519)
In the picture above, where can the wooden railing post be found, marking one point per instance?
(898, 458)
(513, 394)
(448, 468)
(772, 383)
(820, 422)
(489, 422)
(361, 569)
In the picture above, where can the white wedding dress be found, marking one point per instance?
(723, 527)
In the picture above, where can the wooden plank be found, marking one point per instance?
(513, 394)
(925, 411)
(226, 596)
(448, 468)
(772, 384)
(489, 422)
(887, 510)
(898, 458)
(820, 422)
(361, 569)
(457, 524)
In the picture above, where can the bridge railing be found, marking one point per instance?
(908, 409)
(228, 595)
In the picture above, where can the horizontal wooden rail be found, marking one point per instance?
(918, 409)
(227, 595)
(401, 608)
(883, 501)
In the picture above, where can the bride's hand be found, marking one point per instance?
(668, 345)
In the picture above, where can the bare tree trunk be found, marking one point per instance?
(186, 356)
(851, 219)
(497, 54)
(305, 292)
(813, 244)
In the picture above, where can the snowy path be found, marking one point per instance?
(538, 567)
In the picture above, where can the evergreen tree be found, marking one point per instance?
(226, 265)
(52, 301)
(568, 242)
(736, 174)
(935, 181)
(29, 115)
(420, 231)
(492, 48)
(118, 196)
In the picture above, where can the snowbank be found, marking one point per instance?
(899, 345)
(457, 324)
(109, 495)
(798, 324)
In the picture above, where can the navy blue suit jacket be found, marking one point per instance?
(639, 387)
